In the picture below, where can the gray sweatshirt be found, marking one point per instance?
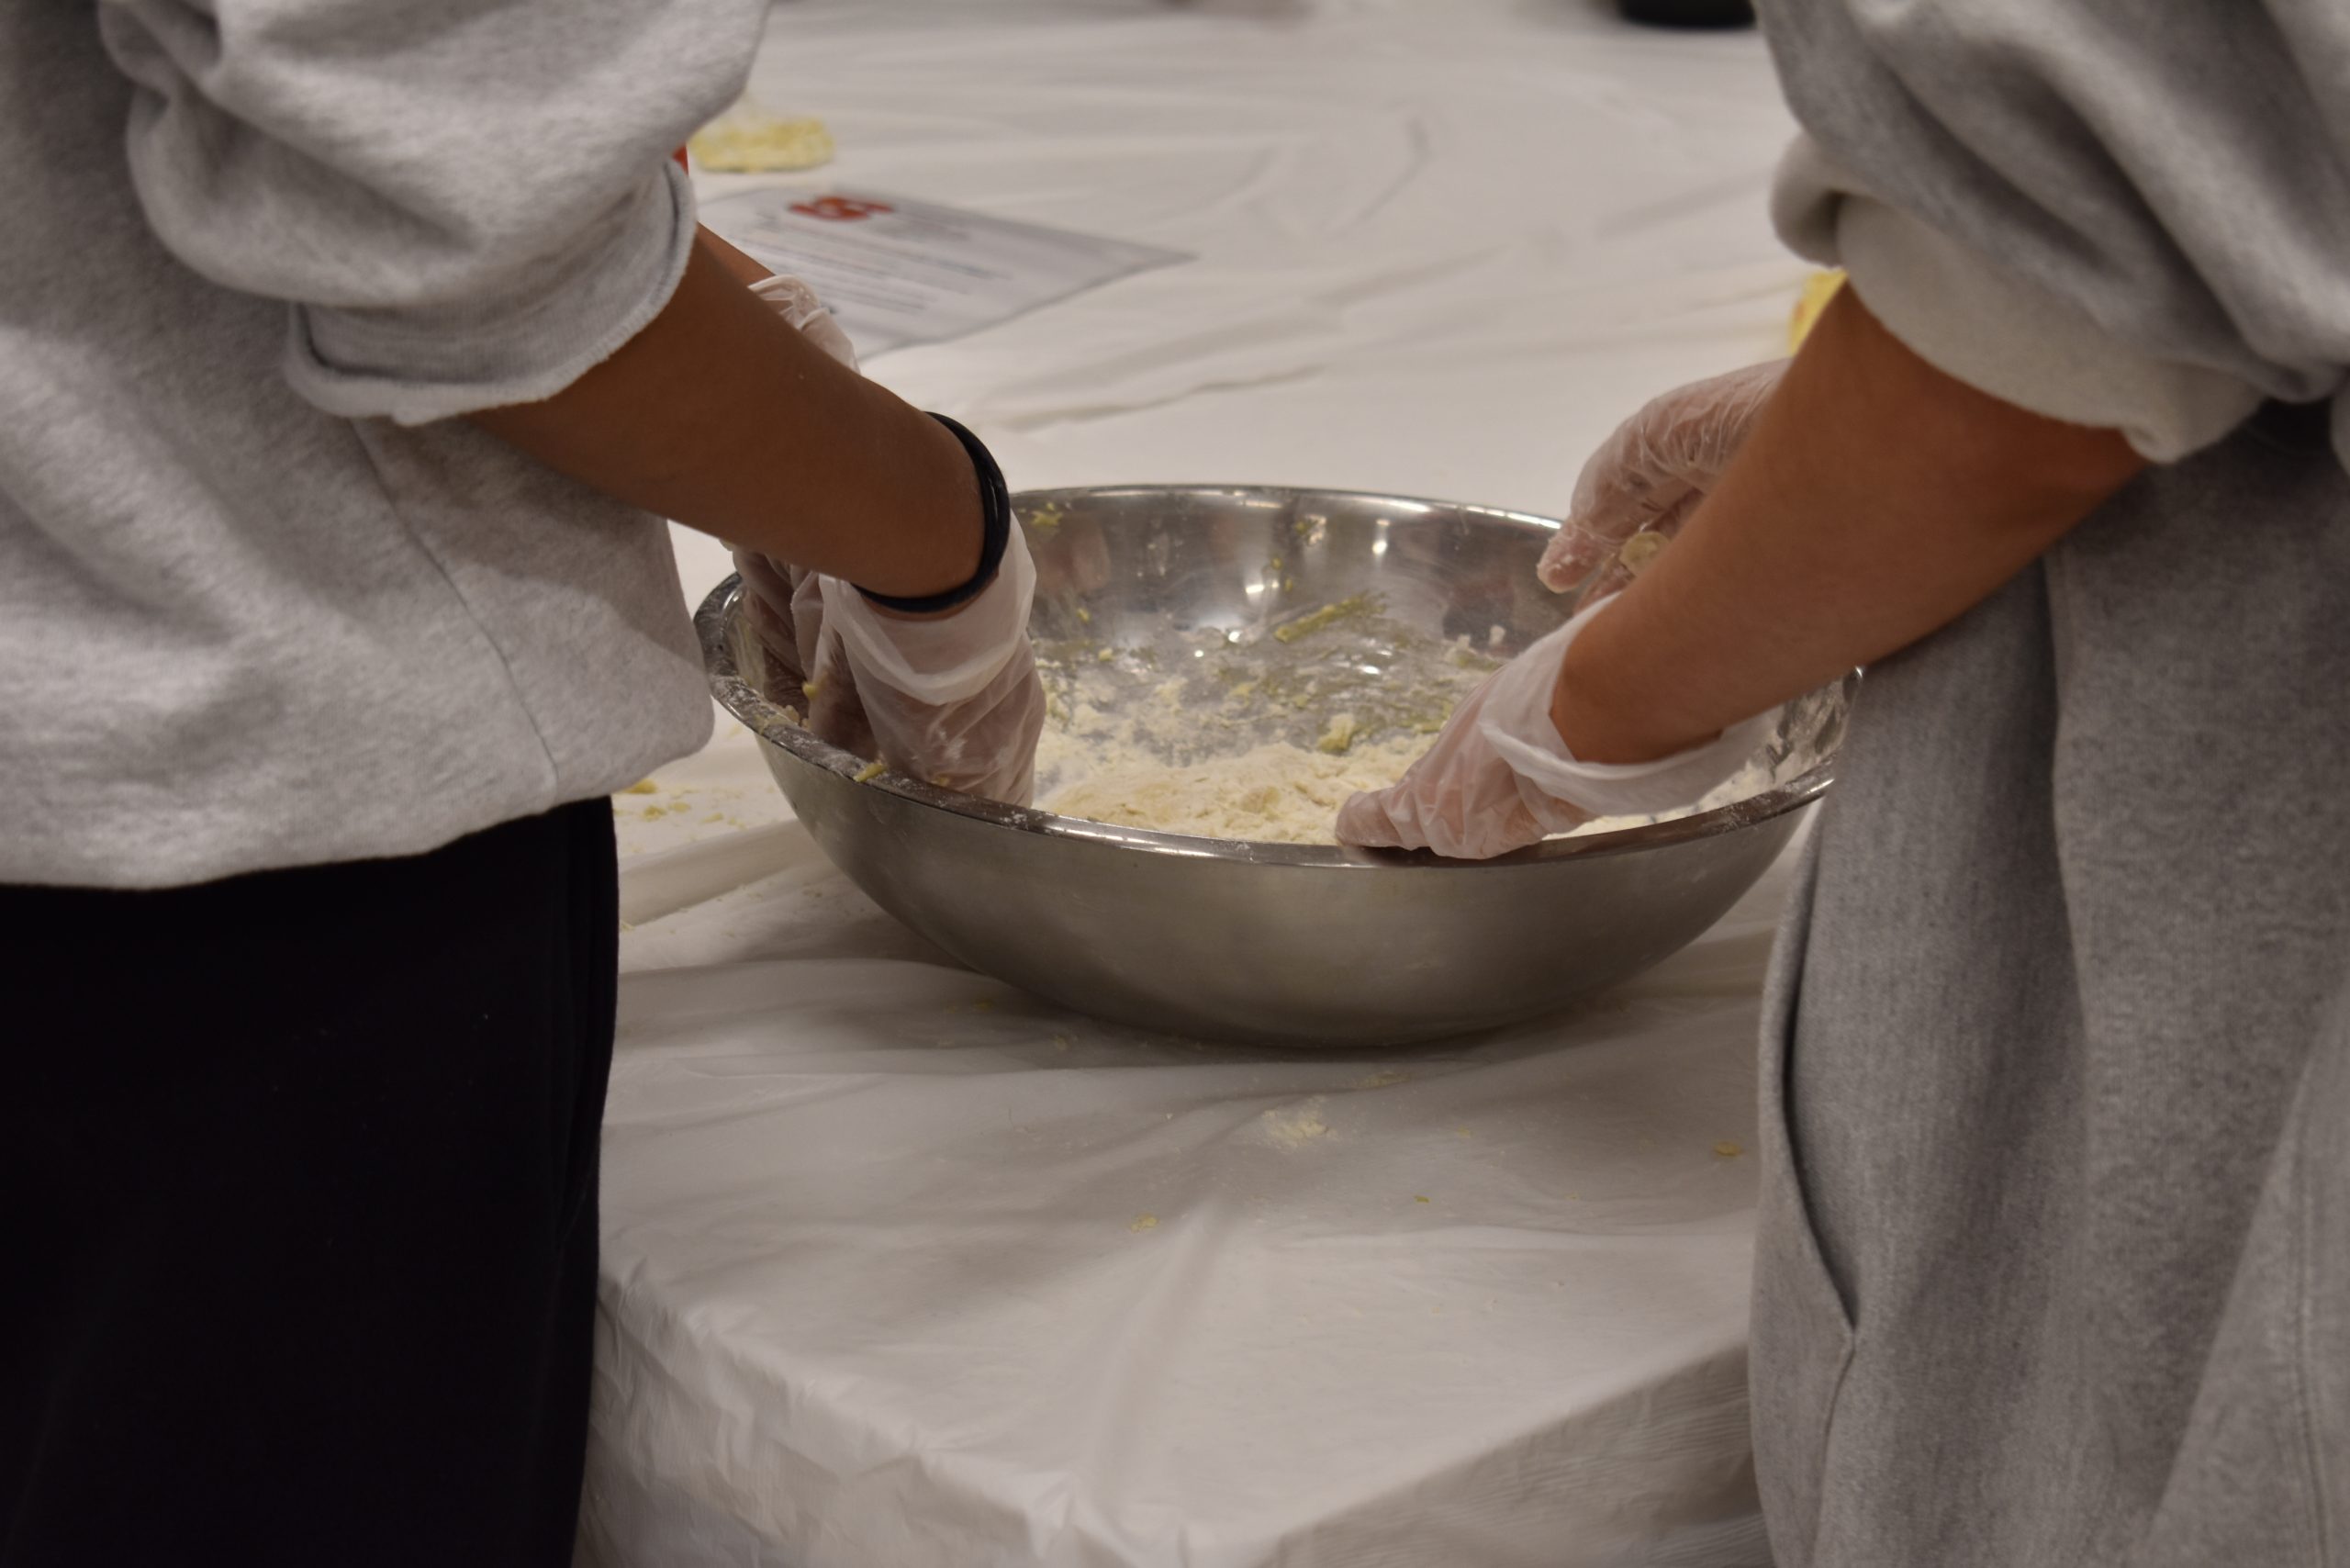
(2053, 1267)
(2123, 214)
(264, 602)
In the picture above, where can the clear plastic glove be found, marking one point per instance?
(1645, 479)
(807, 315)
(1499, 777)
(953, 699)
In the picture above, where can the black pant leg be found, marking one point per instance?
(298, 1178)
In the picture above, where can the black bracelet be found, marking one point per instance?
(995, 518)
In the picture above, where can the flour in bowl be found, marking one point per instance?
(1274, 795)
(1286, 794)
(1206, 733)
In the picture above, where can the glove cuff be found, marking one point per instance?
(805, 314)
(941, 661)
(1516, 723)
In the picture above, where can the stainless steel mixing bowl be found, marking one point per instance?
(1386, 607)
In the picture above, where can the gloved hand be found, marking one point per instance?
(1499, 777)
(1646, 478)
(955, 699)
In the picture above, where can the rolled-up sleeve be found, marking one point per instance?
(2118, 215)
(462, 204)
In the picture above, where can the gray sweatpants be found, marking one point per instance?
(2054, 1263)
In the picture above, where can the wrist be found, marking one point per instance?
(970, 527)
(1602, 715)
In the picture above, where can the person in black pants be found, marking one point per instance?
(350, 355)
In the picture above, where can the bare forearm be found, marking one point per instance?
(721, 416)
(743, 269)
(1875, 501)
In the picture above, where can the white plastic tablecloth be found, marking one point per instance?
(902, 1267)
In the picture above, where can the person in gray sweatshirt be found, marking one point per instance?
(351, 353)
(2053, 1253)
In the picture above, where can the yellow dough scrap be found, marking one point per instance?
(749, 141)
(1641, 549)
(1329, 614)
(1338, 735)
(1817, 290)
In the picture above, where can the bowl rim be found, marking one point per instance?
(767, 721)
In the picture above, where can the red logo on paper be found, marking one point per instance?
(840, 209)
